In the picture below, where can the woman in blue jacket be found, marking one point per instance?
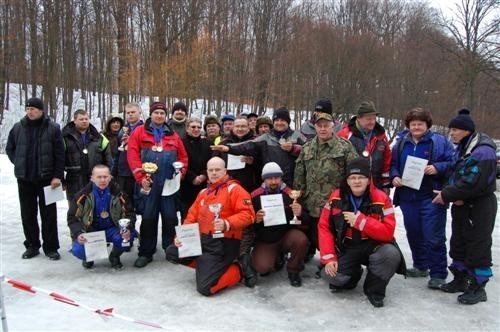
(424, 221)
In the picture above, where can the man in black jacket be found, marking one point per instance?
(35, 147)
(85, 148)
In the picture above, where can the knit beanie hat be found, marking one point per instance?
(179, 106)
(283, 114)
(367, 107)
(35, 102)
(157, 106)
(252, 115)
(271, 169)
(359, 165)
(210, 119)
(463, 121)
(323, 105)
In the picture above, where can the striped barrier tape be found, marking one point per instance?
(64, 299)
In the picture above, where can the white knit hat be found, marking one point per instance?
(271, 169)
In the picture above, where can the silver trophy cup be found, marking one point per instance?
(124, 223)
(215, 209)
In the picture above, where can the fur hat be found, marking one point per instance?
(210, 119)
(463, 121)
(271, 169)
(261, 120)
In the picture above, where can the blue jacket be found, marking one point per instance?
(120, 166)
(434, 147)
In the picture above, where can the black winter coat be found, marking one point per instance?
(36, 149)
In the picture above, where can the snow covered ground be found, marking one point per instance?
(165, 294)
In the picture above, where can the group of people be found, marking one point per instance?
(331, 180)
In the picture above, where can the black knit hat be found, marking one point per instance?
(283, 114)
(35, 102)
(179, 106)
(359, 165)
(323, 105)
(463, 121)
(157, 106)
(252, 115)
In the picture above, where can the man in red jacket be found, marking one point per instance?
(216, 268)
(356, 228)
(155, 143)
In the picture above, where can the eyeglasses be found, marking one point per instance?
(195, 127)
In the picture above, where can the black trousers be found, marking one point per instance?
(127, 185)
(31, 197)
(217, 255)
(471, 229)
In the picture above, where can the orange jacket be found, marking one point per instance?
(237, 208)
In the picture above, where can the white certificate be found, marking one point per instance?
(95, 247)
(274, 208)
(171, 186)
(189, 235)
(234, 162)
(413, 172)
(53, 195)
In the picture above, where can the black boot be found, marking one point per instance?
(295, 279)
(87, 265)
(458, 284)
(474, 293)
(114, 259)
(249, 273)
(374, 289)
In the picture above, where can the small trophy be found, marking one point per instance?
(124, 223)
(215, 209)
(177, 167)
(122, 146)
(294, 194)
(149, 169)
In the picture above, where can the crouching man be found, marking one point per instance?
(356, 228)
(286, 238)
(221, 231)
(98, 207)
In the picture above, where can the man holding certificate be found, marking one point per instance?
(101, 206)
(420, 159)
(222, 211)
(275, 233)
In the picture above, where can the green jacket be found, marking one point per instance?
(319, 170)
(81, 210)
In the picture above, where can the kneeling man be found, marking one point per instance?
(98, 207)
(217, 267)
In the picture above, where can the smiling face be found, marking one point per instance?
(280, 125)
(417, 128)
(158, 116)
(273, 182)
(457, 135)
(324, 130)
(240, 127)
(193, 129)
(358, 184)
(115, 126)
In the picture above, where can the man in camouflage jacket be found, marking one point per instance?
(320, 168)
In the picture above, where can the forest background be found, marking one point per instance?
(263, 53)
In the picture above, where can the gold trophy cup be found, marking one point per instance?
(122, 146)
(294, 194)
(149, 169)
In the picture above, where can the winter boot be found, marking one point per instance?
(474, 293)
(114, 259)
(87, 265)
(458, 284)
(249, 274)
(417, 273)
(295, 279)
(374, 289)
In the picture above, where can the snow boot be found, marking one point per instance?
(249, 274)
(458, 284)
(474, 293)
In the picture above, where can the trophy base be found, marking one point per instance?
(145, 192)
(217, 235)
(125, 244)
(295, 222)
